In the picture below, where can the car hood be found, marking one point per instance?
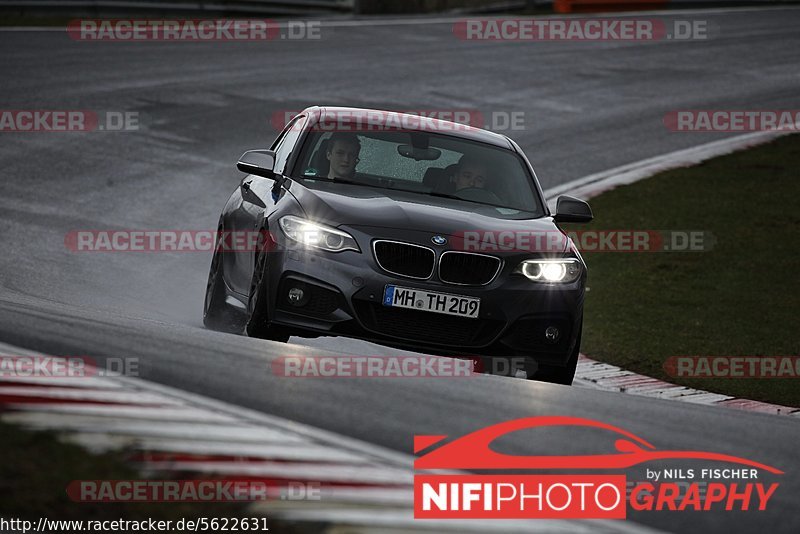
(359, 206)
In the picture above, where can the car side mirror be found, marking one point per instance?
(571, 209)
(258, 162)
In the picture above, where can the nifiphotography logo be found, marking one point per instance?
(443, 491)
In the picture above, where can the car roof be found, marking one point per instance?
(318, 113)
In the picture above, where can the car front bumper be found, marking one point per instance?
(344, 297)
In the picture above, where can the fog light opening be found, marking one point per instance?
(552, 334)
(297, 297)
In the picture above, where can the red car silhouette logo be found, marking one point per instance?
(473, 451)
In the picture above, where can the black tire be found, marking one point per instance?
(258, 305)
(217, 314)
(561, 375)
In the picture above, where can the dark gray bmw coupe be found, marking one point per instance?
(406, 231)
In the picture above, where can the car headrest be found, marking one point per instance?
(439, 179)
(433, 177)
(319, 160)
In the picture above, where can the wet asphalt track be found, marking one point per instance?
(588, 107)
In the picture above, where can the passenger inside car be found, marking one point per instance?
(470, 174)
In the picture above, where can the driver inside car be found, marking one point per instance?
(343, 152)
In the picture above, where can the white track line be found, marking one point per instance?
(288, 450)
(144, 413)
(224, 433)
(345, 473)
(87, 395)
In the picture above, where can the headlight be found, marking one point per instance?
(561, 271)
(317, 235)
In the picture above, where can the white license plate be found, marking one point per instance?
(419, 299)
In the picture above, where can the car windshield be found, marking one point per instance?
(438, 166)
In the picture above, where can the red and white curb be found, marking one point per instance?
(166, 432)
(594, 374)
(591, 373)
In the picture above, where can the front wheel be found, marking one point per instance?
(257, 305)
(218, 314)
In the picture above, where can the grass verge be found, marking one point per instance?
(740, 298)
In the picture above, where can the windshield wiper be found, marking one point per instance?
(341, 181)
(454, 197)
(432, 193)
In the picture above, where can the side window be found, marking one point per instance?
(286, 144)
